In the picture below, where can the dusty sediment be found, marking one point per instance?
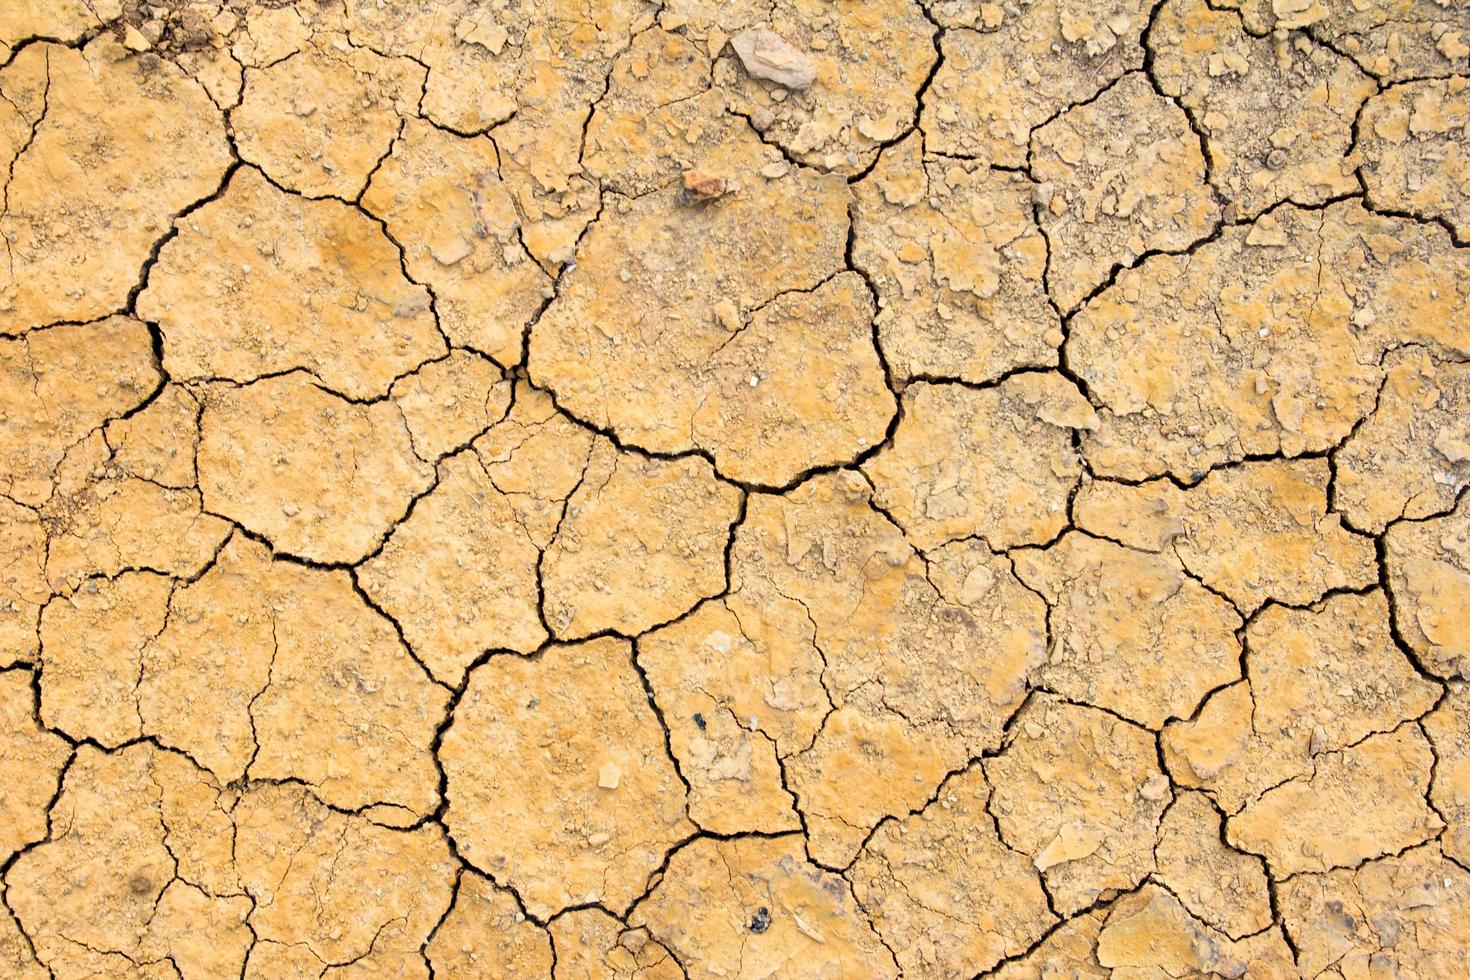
(902, 488)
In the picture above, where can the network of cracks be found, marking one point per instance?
(634, 490)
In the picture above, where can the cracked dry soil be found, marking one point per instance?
(846, 489)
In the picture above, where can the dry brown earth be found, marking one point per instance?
(693, 489)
